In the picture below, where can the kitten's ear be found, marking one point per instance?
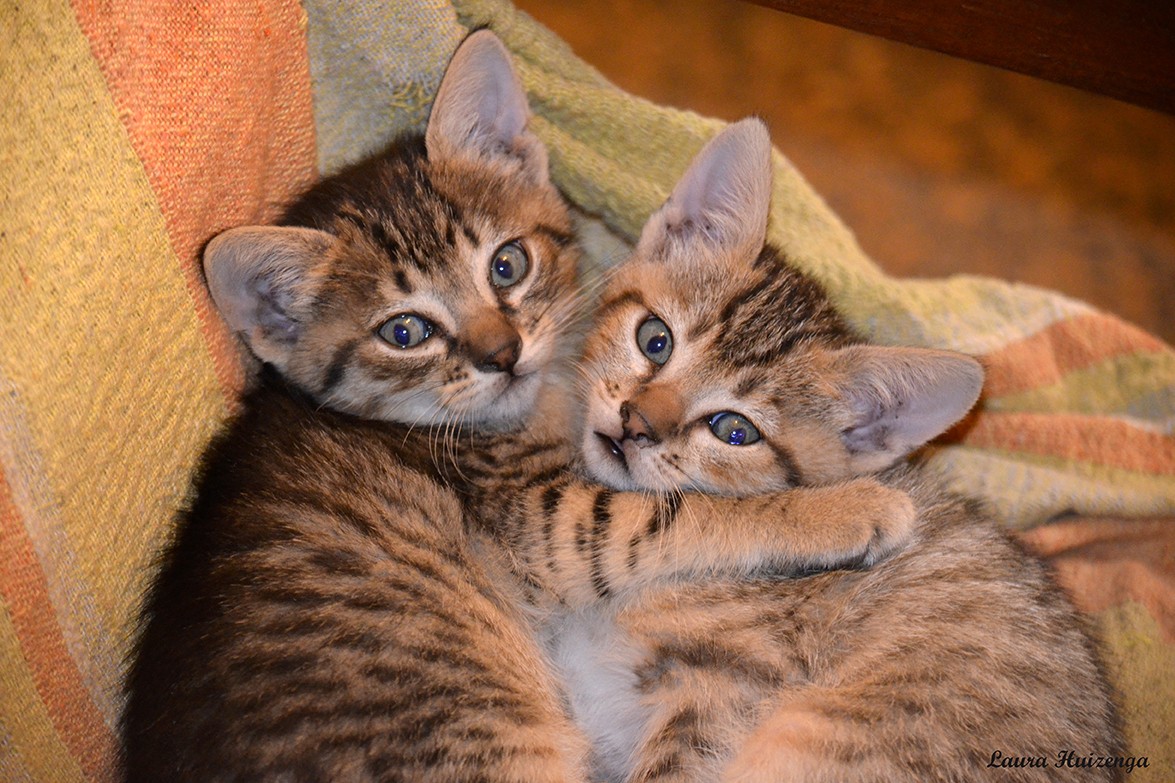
(721, 200)
(481, 108)
(258, 277)
(896, 399)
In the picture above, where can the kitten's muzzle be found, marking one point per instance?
(503, 358)
(651, 415)
(490, 341)
(613, 447)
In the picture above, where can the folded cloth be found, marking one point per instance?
(133, 134)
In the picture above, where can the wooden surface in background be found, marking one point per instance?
(1121, 48)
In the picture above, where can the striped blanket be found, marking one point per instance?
(134, 132)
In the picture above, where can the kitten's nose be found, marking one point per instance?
(493, 344)
(637, 426)
(503, 358)
(651, 415)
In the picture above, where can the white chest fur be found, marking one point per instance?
(598, 663)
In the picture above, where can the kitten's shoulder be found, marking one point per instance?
(281, 435)
(953, 526)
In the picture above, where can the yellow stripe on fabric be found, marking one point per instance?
(1024, 489)
(1142, 667)
(12, 767)
(82, 632)
(1136, 385)
(35, 746)
(98, 331)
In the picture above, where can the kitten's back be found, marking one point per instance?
(354, 633)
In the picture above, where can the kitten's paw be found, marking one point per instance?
(854, 524)
(885, 519)
(849, 525)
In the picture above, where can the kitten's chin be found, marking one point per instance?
(513, 405)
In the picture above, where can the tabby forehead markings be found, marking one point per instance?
(410, 220)
(754, 333)
(617, 302)
(456, 217)
(402, 282)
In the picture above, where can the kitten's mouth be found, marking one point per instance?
(612, 447)
(515, 382)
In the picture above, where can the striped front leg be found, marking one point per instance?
(584, 542)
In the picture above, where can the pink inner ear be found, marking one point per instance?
(256, 275)
(273, 311)
(481, 107)
(722, 199)
(901, 398)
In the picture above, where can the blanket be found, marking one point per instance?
(133, 133)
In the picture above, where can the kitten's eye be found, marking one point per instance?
(509, 265)
(733, 429)
(655, 340)
(406, 331)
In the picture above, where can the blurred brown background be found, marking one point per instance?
(940, 166)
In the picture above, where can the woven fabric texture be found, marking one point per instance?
(134, 133)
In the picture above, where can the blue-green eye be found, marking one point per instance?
(509, 265)
(733, 429)
(655, 340)
(406, 331)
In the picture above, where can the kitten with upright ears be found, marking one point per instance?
(331, 609)
(715, 366)
(324, 612)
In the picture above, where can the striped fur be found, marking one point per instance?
(939, 663)
(324, 615)
(324, 612)
(331, 607)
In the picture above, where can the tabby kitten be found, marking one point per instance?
(714, 366)
(323, 613)
(329, 609)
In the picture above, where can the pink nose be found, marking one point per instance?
(491, 342)
(503, 359)
(651, 415)
(637, 426)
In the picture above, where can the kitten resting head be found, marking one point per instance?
(428, 285)
(714, 366)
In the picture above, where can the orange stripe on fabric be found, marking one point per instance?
(59, 683)
(216, 100)
(1073, 344)
(1094, 439)
(1105, 562)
